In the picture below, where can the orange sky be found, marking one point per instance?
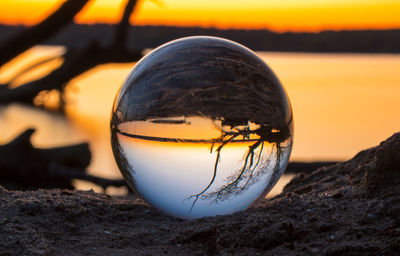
(279, 15)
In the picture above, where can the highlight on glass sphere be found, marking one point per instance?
(201, 127)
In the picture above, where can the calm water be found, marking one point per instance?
(342, 103)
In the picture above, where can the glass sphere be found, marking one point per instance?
(201, 127)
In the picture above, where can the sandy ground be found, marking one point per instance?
(352, 208)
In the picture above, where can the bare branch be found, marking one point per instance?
(76, 62)
(121, 31)
(40, 32)
(32, 66)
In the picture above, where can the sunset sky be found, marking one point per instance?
(282, 15)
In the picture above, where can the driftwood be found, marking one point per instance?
(76, 61)
(23, 165)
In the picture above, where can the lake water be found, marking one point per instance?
(342, 103)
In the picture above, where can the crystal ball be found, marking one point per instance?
(201, 127)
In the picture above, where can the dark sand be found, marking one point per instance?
(352, 208)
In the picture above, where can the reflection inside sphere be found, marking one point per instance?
(201, 127)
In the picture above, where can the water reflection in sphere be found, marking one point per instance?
(201, 127)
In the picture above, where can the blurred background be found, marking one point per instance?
(337, 59)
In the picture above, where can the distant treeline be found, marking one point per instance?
(368, 41)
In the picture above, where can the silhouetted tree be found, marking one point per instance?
(19, 160)
(76, 61)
